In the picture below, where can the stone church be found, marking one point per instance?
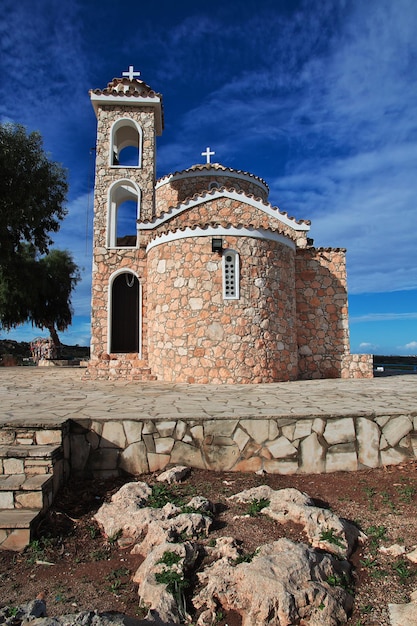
(197, 278)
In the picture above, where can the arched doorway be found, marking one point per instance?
(125, 313)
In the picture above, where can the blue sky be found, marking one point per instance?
(317, 98)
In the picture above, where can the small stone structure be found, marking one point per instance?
(197, 278)
(277, 446)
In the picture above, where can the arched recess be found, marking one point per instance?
(126, 143)
(125, 313)
(123, 213)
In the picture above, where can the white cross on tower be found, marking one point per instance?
(131, 74)
(207, 154)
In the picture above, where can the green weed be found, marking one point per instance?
(370, 493)
(402, 569)
(256, 506)
(329, 536)
(115, 579)
(113, 539)
(246, 557)
(406, 493)
(340, 581)
(170, 558)
(99, 555)
(161, 495)
(376, 534)
(387, 500)
(93, 531)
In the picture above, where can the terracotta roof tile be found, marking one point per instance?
(136, 88)
(212, 166)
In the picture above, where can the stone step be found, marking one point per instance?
(19, 435)
(17, 491)
(29, 460)
(16, 528)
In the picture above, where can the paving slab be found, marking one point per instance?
(47, 397)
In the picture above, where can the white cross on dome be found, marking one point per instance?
(131, 74)
(207, 154)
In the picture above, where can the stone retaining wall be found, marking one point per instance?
(286, 445)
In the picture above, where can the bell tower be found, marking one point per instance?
(129, 117)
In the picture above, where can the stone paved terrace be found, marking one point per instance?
(54, 425)
(50, 396)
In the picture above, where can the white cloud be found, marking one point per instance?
(411, 346)
(383, 317)
(368, 348)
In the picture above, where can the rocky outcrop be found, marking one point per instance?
(298, 582)
(324, 529)
(299, 585)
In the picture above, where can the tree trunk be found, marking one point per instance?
(55, 340)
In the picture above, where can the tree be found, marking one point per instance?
(38, 290)
(35, 283)
(58, 275)
(33, 190)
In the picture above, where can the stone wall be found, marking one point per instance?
(322, 312)
(195, 335)
(143, 176)
(225, 211)
(278, 446)
(179, 187)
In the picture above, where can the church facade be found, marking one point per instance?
(197, 278)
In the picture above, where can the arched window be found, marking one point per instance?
(123, 213)
(125, 313)
(126, 144)
(230, 275)
(214, 185)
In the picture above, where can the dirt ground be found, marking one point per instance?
(80, 570)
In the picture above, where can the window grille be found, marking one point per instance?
(230, 275)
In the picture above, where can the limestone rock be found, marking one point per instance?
(412, 556)
(394, 550)
(324, 529)
(403, 614)
(174, 475)
(171, 529)
(163, 606)
(293, 582)
(127, 511)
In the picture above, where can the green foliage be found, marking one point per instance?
(35, 282)
(115, 579)
(173, 580)
(246, 557)
(93, 531)
(35, 551)
(170, 558)
(406, 493)
(33, 190)
(113, 539)
(329, 536)
(370, 494)
(256, 506)
(12, 611)
(403, 570)
(375, 534)
(160, 496)
(99, 555)
(340, 581)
